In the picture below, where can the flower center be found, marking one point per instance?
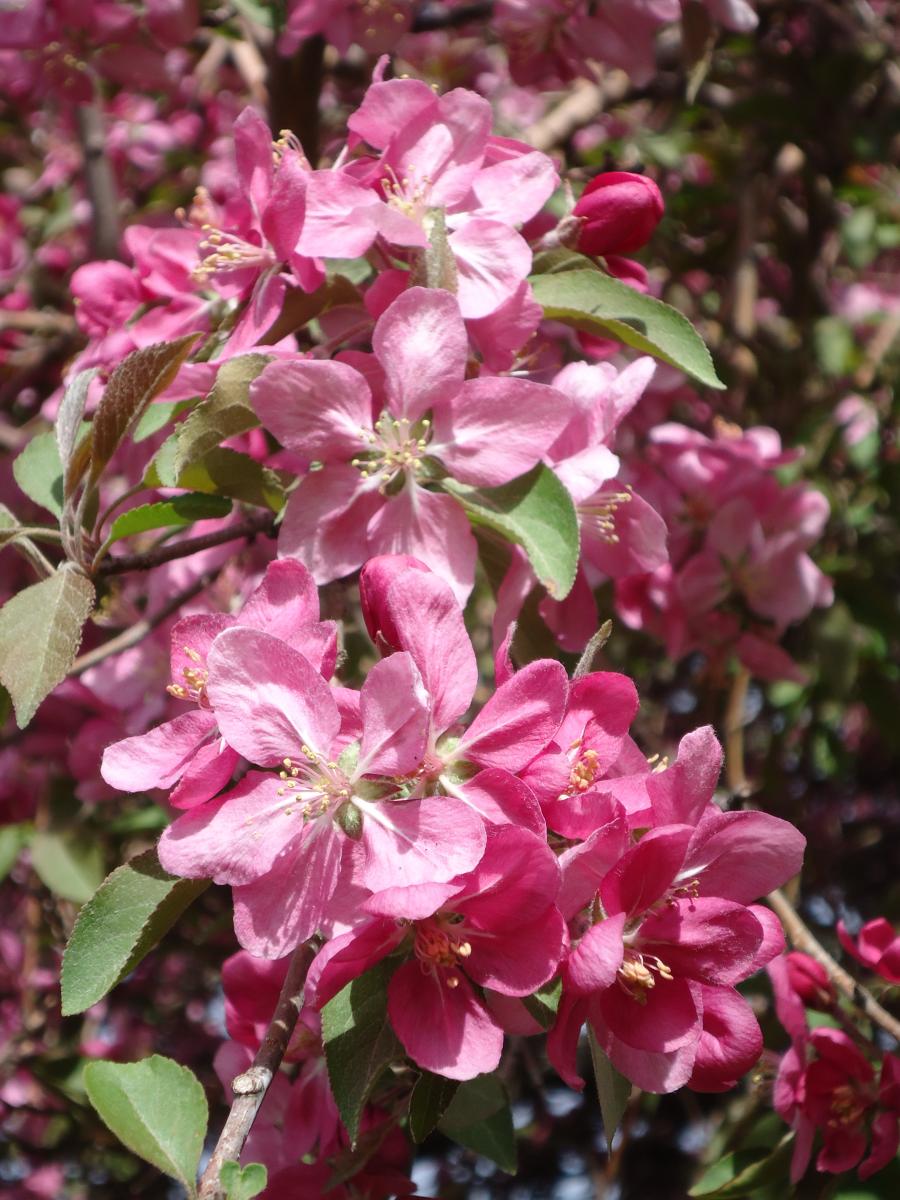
(195, 679)
(584, 771)
(639, 972)
(398, 446)
(313, 785)
(408, 195)
(437, 944)
(599, 516)
(847, 1106)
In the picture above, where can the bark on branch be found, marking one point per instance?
(250, 1088)
(100, 183)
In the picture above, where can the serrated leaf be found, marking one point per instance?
(180, 510)
(156, 1108)
(479, 1117)
(745, 1171)
(133, 384)
(122, 921)
(156, 416)
(536, 512)
(70, 864)
(243, 1184)
(40, 632)
(70, 413)
(428, 1102)
(359, 1042)
(38, 472)
(599, 304)
(613, 1089)
(225, 412)
(221, 472)
(543, 1004)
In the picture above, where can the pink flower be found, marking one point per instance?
(280, 836)
(189, 752)
(619, 212)
(376, 28)
(381, 438)
(876, 946)
(496, 928)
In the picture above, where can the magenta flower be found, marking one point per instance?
(380, 439)
(188, 752)
(279, 837)
(876, 946)
(496, 928)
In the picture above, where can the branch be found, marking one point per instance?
(260, 523)
(295, 85)
(802, 938)
(581, 105)
(436, 16)
(250, 1088)
(100, 183)
(137, 632)
(735, 774)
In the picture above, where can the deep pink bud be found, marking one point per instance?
(809, 980)
(620, 212)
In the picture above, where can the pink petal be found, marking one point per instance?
(283, 218)
(342, 216)
(194, 633)
(253, 155)
(281, 909)
(653, 1071)
(584, 866)
(492, 260)
(495, 429)
(207, 773)
(285, 601)
(413, 903)
(431, 527)
(407, 607)
(642, 536)
(515, 190)
(710, 941)
(521, 959)
(519, 719)
(605, 703)
(443, 149)
(773, 942)
(443, 1029)
(743, 855)
(158, 758)
(666, 1019)
(594, 963)
(563, 1038)
(501, 799)
(326, 521)
(421, 343)
(682, 791)
(515, 882)
(395, 712)
(344, 958)
(387, 107)
(646, 872)
(885, 1141)
(270, 702)
(418, 841)
(320, 409)
(730, 1044)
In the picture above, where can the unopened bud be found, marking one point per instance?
(809, 980)
(619, 211)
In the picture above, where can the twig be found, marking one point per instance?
(799, 933)
(295, 85)
(260, 523)
(802, 938)
(436, 16)
(100, 183)
(250, 1088)
(37, 321)
(581, 105)
(136, 633)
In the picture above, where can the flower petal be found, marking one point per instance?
(421, 343)
(320, 409)
(159, 757)
(519, 719)
(418, 841)
(394, 711)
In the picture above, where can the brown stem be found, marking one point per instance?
(137, 632)
(436, 16)
(802, 938)
(735, 774)
(250, 1088)
(259, 523)
(582, 102)
(295, 85)
(101, 185)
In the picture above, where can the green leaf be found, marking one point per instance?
(180, 510)
(745, 1171)
(156, 1108)
(243, 1184)
(133, 384)
(224, 413)
(429, 1100)
(121, 923)
(599, 304)
(12, 839)
(70, 864)
(70, 413)
(222, 472)
(156, 416)
(40, 632)
(39, 473)
(613, 1089)
(359, 1042)
(543, 1003)
(479, 1118)
(536, 512)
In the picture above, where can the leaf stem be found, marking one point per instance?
(250, 1088)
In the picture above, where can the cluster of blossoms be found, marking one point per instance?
(826, 1082)
(480, 859)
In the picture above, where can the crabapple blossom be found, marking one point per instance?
(876, 946)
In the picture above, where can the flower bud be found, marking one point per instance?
(809, 980)
(619, 212)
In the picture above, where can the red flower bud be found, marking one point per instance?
(809, 980)
(620, 212)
